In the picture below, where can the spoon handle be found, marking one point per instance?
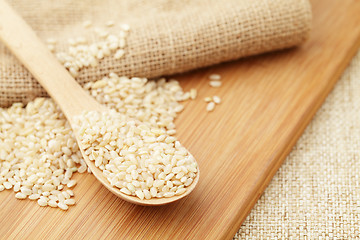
(22, 41)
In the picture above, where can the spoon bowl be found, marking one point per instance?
(21, 40)
(132, 199)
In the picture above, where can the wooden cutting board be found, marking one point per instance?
(267, 102)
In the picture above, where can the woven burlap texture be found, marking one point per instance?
(316, 192)
(166, 37)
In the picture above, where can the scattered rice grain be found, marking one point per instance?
(210, 106)
(20, 195)
(215, 84)
(52, 203)
(208, 99)
(216, 99)
(62, 206)
(69, 202)
(42, 202)
(193, 93)
(215, 77)
(71, 183)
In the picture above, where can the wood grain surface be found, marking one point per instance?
(267, 102)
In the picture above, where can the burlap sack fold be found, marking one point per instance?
(166, 37)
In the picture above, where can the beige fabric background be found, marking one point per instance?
(316, 192)
(167, 36)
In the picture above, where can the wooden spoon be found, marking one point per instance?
(17, 35)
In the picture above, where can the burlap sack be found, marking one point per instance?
(167, 36)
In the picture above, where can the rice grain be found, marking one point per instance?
(210, 106)
(215, 84)
(141, 155)
(40, 134)
(215, 77)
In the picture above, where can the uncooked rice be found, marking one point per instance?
(83, 53)
(207, 99)
(39, 154)
(215, 77)
(210, 106)
(215, 84)
(193, 93)
(216, 99)
(136, 157)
